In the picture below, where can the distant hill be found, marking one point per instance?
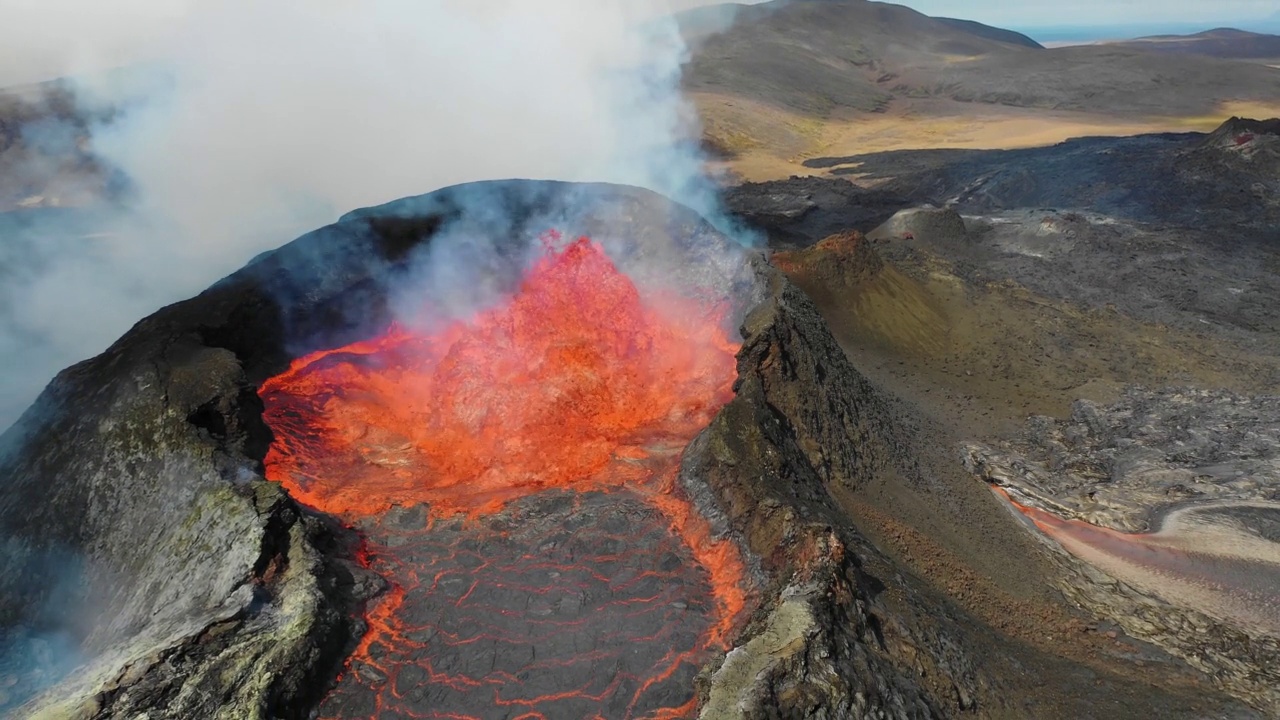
(1219, 43)
(991, 33)
(816, 57)
(777, 82)
(699, 22)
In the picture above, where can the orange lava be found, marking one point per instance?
(576, 381)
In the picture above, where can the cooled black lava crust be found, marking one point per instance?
(563, 605)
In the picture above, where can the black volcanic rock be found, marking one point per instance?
(1245, 147)
(803, 423)
(802, 210)
(1227, 178)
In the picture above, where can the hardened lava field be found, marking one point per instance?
(514, 476)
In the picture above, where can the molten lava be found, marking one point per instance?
(575, 384)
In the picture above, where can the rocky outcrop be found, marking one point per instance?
(929, 224)
(804, 423)
(845, 260)
(142, 541)
(1245, 136)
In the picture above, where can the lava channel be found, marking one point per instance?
(1201, 557)
(514, 476)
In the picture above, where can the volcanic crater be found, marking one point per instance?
(551, 568)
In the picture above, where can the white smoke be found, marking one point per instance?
(275, 116)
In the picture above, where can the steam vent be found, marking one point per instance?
(508, 450)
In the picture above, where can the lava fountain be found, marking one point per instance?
(515, 477)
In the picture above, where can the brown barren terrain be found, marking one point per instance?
(785, 82)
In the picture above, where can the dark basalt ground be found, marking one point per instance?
(800, 211)
(1174, 231)
(1224, 179)
(565, 605)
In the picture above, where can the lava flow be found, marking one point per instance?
(1201, 557)
(515, 478)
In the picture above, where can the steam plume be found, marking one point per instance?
(260, 120)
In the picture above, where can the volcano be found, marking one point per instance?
(436, 460)
(578, 582)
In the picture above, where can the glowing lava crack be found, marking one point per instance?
(514, 475)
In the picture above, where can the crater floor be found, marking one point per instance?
(565, 604)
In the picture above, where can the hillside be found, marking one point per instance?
(1011, 37)
(790, 80)
(1218, 43)
(814, 57)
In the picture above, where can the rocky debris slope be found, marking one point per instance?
(1248, 149)
(1210, 457)
(1208, 282)
(1246, 136)
(142, 542)
(878, 305)
(843, 629)
(1027, 354)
